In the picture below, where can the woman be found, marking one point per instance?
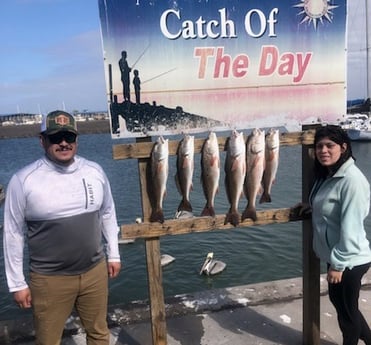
(340, 201)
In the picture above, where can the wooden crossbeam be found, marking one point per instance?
(143, 149)
(201, 224)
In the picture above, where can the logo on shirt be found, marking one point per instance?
(90, 190)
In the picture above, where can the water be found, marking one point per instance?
(252, 255)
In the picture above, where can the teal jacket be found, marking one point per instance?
(340, 205)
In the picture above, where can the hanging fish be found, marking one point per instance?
(235, 170)
(159, 175)
(255, 161)
(210, 172)
(272, 147)
(184, 174)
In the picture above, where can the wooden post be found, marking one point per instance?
(153, 257)
(311, 264)
(154, 271)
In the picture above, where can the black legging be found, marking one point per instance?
(344, 296)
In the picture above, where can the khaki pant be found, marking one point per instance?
(54, 297)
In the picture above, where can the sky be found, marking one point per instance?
(52, 57)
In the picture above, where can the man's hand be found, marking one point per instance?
(23, 298)
(113, 269)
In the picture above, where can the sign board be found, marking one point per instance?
(193, 66)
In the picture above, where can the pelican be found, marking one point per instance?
(126, 241)
(211, 266)
(183, 214)
(166, 259)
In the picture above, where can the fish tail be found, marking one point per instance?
(177, 183)
(208, 211)
(266, 197)
(250, 212)
(232, 218)
(185, 205)
(157, 216)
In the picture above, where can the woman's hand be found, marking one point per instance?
(300, 211)
(333, 276)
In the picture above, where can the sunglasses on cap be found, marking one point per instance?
(57, 138)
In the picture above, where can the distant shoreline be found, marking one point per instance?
(26, 131)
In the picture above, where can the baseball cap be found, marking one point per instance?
(58, 121)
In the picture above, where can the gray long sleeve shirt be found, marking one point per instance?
(63, 211)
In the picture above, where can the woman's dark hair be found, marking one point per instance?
(337, 135)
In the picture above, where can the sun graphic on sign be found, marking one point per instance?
(316, 10)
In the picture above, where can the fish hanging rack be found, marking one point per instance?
(146, 229)
(152, 231)
(143, 149)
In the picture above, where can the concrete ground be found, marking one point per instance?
(259, 314)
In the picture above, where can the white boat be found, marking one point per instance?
(358, 127)
(357, 121)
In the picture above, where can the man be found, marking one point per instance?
(63, 204)
(125, 76)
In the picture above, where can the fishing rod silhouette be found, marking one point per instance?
(141, 55)
(156, 76)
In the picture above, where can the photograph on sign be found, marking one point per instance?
(195, 66)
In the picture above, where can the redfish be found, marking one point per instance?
(159, 175)
(272, 147)
(210, 172)
(255, 162)
(235, 170)
(185, 168)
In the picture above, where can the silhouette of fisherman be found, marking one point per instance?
(125, 75)
(136, 82)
